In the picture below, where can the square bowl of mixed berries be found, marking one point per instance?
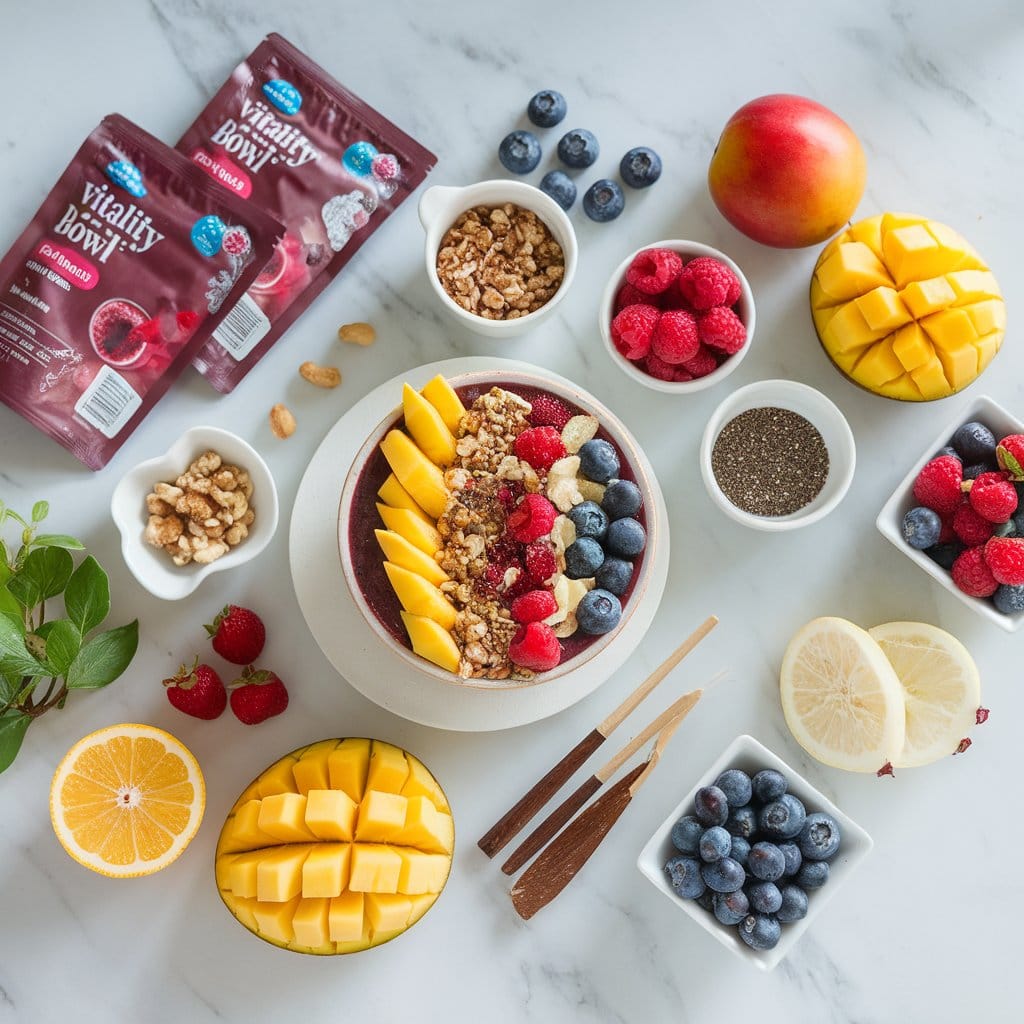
(677, 316)
(959, 512)
(753, 853)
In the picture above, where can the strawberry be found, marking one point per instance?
(198, 691)
(238, 634)
(257, 695)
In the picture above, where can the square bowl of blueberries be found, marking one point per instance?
(753, 853)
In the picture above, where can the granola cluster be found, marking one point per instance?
(203, 514)
(500, 262)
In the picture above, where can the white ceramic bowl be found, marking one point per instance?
(890, 519)
(744, 310)
(152, 566)
(813, 406)
(747, 754)
(439, 208)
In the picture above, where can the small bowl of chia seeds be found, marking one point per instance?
(777, 455)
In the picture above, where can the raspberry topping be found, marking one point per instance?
(1005, 557)
(532, 519)
(187, 321)
(993, 496)
(548, 411)
(661, 370)
(653, 270)
(535, 647)
(533, 606)
(703, 363)
(632, 330)
(540, 562)
(972, 575)
(705, 283)
(938, 485)
(541, 447)
(970, 527)
(675, 337)
(721, 328)
(629, 295)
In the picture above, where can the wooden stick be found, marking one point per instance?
(512, 822)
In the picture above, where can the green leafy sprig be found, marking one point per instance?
(43, 659)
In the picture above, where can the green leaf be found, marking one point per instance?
(9, 684)
(13, 726)
(45, 574)
(104, 658)
(58, 540)
(63, 643)
(40, 510)
(87, 595)
(14, 656)
(9, 603)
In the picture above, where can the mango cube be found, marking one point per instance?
(242, 874)
(912, 253)
(912, 347)
(928, 296)
(330, 814)
(950, 328)
(426, 827)
(245, 911)
(310, 771)
(414, 528)
(850, 271)
(432, 641)
(347, 766)
(441, 395)
(310, 923)
(243, 831)
(283, 816)
(279, 873)
(421, 872)
(427, 428)
(388, 768)
(421, 783)
(882, 308)
(381, 816)
(345, 917)
(400, 551)
(277, 779)
(415, 472)
(387, 912)
(274, 920)
(420, 597)
(849, 330)
(374, 868)
(325, 870)
(987, 316)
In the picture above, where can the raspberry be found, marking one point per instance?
(705, 283)
(540, 562)
(721, 328)
(947, 534)
(703, 363)
(653, 270)
(1010, 455)
(993, 496)
(187, 321)
(972, 575)
(548, 411)
(509, 494)
(533, 606)
(632, 329)
(675, 337)
(1005, 557)
(541, 447)
(938, 485)
(970, 527)
(535, 647)
(533, 518)
(658, 368)
(629, 295)
(146, 333)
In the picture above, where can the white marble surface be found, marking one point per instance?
(929, 930)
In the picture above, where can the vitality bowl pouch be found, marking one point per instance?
(284, 135)
(133, 259)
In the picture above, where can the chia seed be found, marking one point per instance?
(770, 461)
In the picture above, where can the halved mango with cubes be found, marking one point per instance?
(905, 308)
(337, 847)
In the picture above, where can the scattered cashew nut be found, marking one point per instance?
(321, 376)
(282, 422)
(357, 334)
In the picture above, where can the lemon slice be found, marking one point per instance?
(842, 699)
(941, 688)
(126, 800)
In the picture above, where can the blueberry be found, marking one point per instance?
(975, 442)
(578, 148)
(945, 554)
(583, 558)
(715, 844)
(710, 805)
(603, 201)
(589, 519)
(740, 850)
(622, 498)
(640, 167)
(686, 833)
(560, 187)
(813, 874)
(921, 528)
(519, 152)
(625, 538)
(948, 450)
(684, 875)
(764, 897)
(819, 838)
(766, 862)
(730, 907)
(783, 818)
(1009, 600)
(723, 875)
(1007, 529)
(769, 785)
(794, 904)
(598, 612)
(614, 575)
(742, 821)
(599, 461)
(975, 469)
(736, 786)
(793, 858)
(760, 931)
(546, 108)
(706, 900)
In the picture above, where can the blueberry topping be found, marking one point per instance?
(742, 822)
(764, 897)
(740, 850)
(921, 528)
(813, 874)
(560, 187)
(974, 442)
(578, 148)
(583, 558)
(948, 450)
(706, 900)
(519, 152)
(710, 806)
(546, 108)
(975, 469)
(684, 875)
(640, 167)
(769, 785)
(598, 612)
(1007, 529)
(1009, 600)
(766, 862)
(736, 786)
(730, 907)
(784, 817)
(819, 838)
(759, 931)
(622, 498)
(625, 538)
(614, 575)
(724, 875)
(599, 461)
(603, 201)
(945, 554)
(589, 519)
(793, 858)
(686, 833)
(794, 904)
(715, 844)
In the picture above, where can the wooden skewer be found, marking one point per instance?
(506, 828)
(553, 823)
(562, 859)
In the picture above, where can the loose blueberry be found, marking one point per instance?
(740, 850)
(686, 833)
(603, 201)
(546, 108)
(640, 167)
(948, 450)
(622, 498)
(715, 844)
(519, 152)
(783, 818)
(589, 519)
(793, 858)
(819, 838)
(578, 148)
(730, 907)
(975, 469)
(975, 442)
(1009, 600)
(921, 528)
(766, 862)
(723, 875)
(684, 875)
(583, 558)
(759, 931)
(794, 904)
(711, 806)
(736, 786)
(945, 554)
(764, 897)
(769, 785)
(598, 612)
(742, 821)
(625, 538)
(706, 900)
(599, 461)
(614, 575)
(560, 187)
(813, 874)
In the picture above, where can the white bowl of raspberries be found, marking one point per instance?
(677, 316)
(959, 513)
